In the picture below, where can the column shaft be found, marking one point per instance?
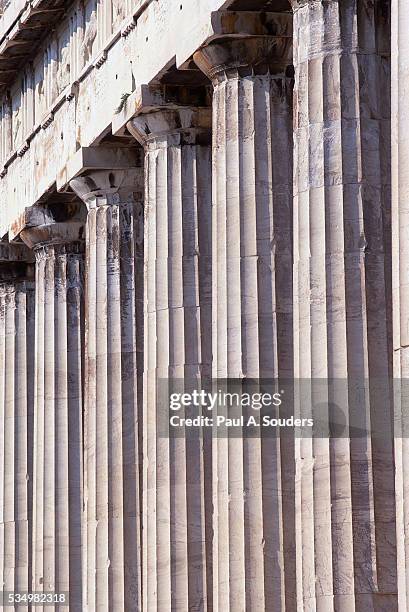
(112, 413)
(114, 345)
(346, 544)
(16, 437)
(400, 255)
(58, 420)
(252, 312)
(177, 571)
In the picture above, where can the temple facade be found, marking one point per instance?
(196, 190)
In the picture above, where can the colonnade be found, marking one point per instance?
(246, 258)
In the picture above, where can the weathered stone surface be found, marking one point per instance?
(346, 546)
(58, 429)
(400, 258)
(225, 523)
(58, 481)
(16, 421)
(56, 224)
(113, 388)
(88, 159)
(252, 312)
(68, 94)
(176, 514)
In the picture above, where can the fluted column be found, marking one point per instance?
(346, 542)
(177, 526)
(57, 488)
(16, 416)
(114, 343)
(253, 496)
(400, 254)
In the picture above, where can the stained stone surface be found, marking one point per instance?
(400, 253)
(264, 236)
(253, 556)
(177, 317)
(57, 423)
(17, 401)
(114, 341)
(345, 509)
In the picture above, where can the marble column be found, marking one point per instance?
(346, 541)
(114, 345)
(400, 260)
(57, 487)
(176, 512)
(253, 497)
(16, 416)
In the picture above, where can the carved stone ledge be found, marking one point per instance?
(47, 215)
(181, 112)
(244, 56)
(52, 225)
(47, 121)
(187, 125)
(101, 59)
(106, 187)
(22, 24)
(25, 147)
(246, 43)
(150, 98)
(54, 233)
(127, 29)
(73, 91)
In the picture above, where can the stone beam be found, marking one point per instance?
(276, 26)
(251, 23)
(102, 62)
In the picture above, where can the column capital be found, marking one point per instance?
(246, 43)
(178, 114)
(109, 187)
(183, 125)
(16, 261)
(61, 225)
